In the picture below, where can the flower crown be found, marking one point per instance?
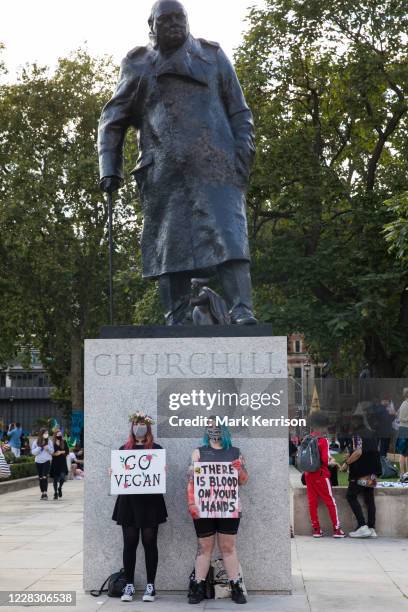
(141, 419)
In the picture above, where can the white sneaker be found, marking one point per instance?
(362, 532)
(128, 593)
(373, 533)
(150, 593)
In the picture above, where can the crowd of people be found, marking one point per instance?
(361, 446)
(364, 446)
(53, 457)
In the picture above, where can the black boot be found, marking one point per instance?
(237, 594)
(175, 291)
(235, 277)
(197, 592)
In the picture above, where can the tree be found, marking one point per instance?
(53, 218)
(328, 83)
(396, 231)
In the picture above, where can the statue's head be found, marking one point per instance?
(168, 23)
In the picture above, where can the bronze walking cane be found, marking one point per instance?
(110, 234)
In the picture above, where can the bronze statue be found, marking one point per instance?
(196, 143)
(208, 307)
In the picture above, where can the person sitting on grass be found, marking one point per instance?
(318, 483)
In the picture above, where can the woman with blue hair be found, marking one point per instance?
(217, 447)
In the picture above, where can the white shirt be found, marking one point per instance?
(42, 454)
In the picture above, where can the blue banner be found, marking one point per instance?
(77, 423)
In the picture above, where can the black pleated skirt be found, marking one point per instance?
(140, 510)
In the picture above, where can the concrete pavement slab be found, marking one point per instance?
(400, 579)
(328, 575)
(10, 580)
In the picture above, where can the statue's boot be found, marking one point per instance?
(175, 293)
(235, 278)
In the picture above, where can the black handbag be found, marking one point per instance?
(116, 584)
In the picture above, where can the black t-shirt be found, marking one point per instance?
(369, 462)
(141, 447)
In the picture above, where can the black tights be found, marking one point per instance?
(58, 481)
(43, 471)
(130, 543)
(353, 490)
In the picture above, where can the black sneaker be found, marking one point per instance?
(237, 594)
(150, 593)
(43, 496)
(197, 592)
(55, 495)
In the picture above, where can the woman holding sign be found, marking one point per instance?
(140, 515)
(220, 467)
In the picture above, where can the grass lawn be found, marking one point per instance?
(343, 476)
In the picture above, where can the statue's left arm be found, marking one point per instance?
(239, 114)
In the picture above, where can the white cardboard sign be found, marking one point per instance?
(138, 472)
(216, 490)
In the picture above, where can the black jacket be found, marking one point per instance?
(59, 464)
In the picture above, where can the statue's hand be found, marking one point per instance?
(109, 184)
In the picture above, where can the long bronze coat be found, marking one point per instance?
(196, 142)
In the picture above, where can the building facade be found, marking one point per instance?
(304, 375)
(26, 395)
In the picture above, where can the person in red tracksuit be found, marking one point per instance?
(318, 483)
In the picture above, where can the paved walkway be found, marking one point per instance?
(41, 544)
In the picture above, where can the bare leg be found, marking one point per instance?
(203, 557)
(228, 549)
(403, 464)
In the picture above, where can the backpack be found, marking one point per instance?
(388, 469)
(221, 581)
(308, 455)
(116, 584)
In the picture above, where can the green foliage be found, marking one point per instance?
(22, 470)
(53, 219)
(20, 467)
(43, 422)
(148, 309)
(9, 457)
(23, 459)
(396, 232)
(328, 84)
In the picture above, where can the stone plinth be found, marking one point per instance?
(120, 378)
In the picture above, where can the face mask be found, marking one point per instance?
(59, 437)
(214, 434)
(139, 431)
(45, 435)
